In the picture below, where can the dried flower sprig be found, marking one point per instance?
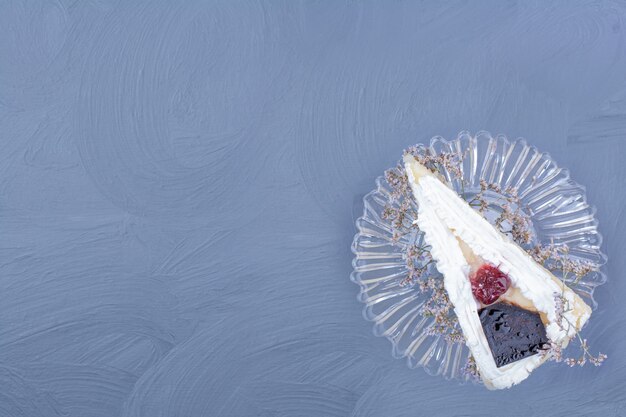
(470, 369)
(512, 219)
(557, 259)
(451, 162)
(399, 182)
(401, 213)
(401, 209)
(562, 307)
(439, 307)
(417, 259)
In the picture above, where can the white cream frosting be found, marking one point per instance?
(444, 217)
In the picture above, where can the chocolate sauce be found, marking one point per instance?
(512, 332)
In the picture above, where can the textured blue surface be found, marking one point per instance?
(179, 181)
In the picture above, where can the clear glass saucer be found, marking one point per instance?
(558, 212)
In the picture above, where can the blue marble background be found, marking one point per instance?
(179, 181)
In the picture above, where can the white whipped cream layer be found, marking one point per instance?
(443, 217)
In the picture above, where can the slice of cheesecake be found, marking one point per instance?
(508, 323)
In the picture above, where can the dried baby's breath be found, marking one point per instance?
(470, 369)
(558, 259)
(438, 162)
(417, 259)
(439, 307)
(512, 219)
(399, 182)
(401, 213)
(562, 307)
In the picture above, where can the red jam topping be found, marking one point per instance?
(489, 283)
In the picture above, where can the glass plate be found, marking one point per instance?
(555, 204)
